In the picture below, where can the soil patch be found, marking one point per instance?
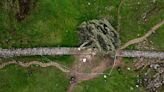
(94, 66)
(24, 9)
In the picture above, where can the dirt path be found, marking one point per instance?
(98, 69)
(81, 70)
(94, 66)
(87, 65)
(118, 15)
(140, 39)
(41, 64)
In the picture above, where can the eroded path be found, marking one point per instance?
(140, 39)
(41, 64)
(81, 70)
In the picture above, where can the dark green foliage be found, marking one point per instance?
(99, 34)
(54, 23)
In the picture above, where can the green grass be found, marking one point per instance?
(52, 22)
(158, 39)
(121, 80)
(17, 79)
(118, 82)
(132, 23)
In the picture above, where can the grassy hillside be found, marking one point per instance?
(123, 81)
(120, 80)
(52, 23)
(34, 79)
(137, 17)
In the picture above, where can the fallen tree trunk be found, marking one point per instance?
(75, 51)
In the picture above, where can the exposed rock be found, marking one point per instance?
(152, 75)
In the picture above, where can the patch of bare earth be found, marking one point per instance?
(94, 66)
(24, 8)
